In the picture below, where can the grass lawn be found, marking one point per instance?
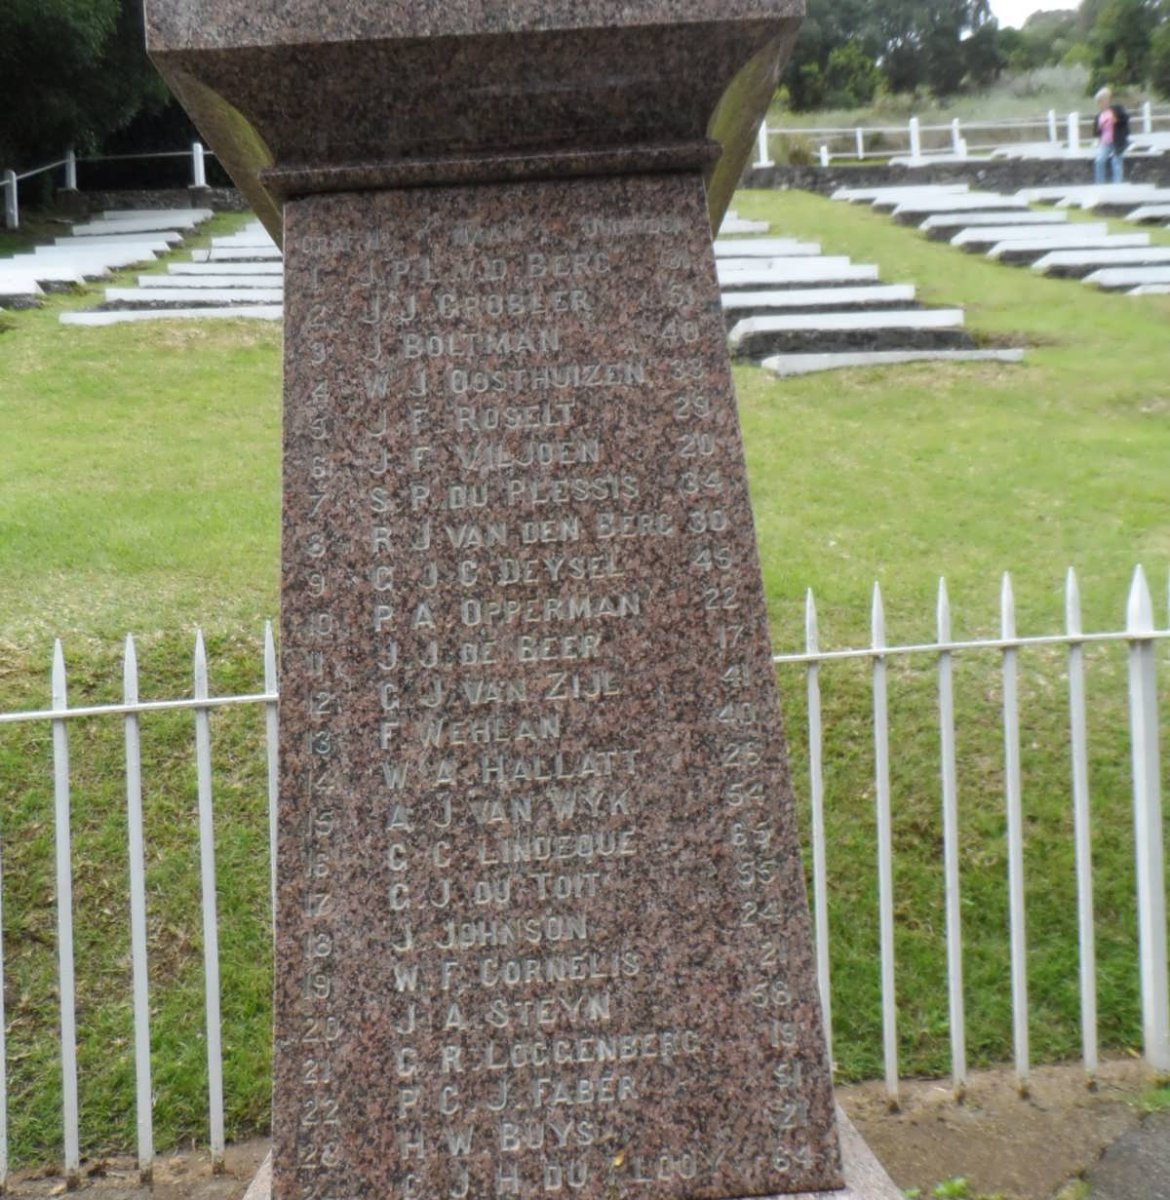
(139, 490)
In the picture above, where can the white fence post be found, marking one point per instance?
(198, 168)
(816, 781)
(824, 155)
(137, 859)
(1147, 117)
(1015, 837)
(762, 159)
(1053, 134)
(64, 875)
(1147, 826)
(915, 139)
(70, 170)
(881, 747)
(1079, 747)
(950, 815)
(1074, 132)
(956, 136)
(859, 138)
(210, 927)
(11, 203)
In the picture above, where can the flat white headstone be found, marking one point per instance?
(174, 282)
(256, 312)
(236, 254)
(162, 222)
(18, 285)
(45, 270)
(1039, 246)
(1127, 277)
(734, 224)
(1150, 289)
(1089, 258)
(1150, 212)
(159, 243)
(832, 297)
(226, 268)
(1085, 231)
(135, 214)
(746, 273)
(765, 247)
(179, 296)
(869, 195)
(968, 220)
(1053, 193)
(976, 201)
(835, 322)
(804, 364)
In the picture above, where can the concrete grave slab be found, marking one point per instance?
(19, 290)
(1150, 289)
(1127, 277)
(779, 272)
(928, 328)
(275, 267)
(163, 222)
(132, 214)
(1054, 193)
(237, 254)
(1022, 250)
(979, 237)
(805, 364)
(48, 271)
(870, 194)
(734, 224)
(1150, 212)
(1075, 264)
(915, 211)
(737, 305)
(765, 247)
(244, 312)
(181, 296)
(943, 224)
(222, 280)
(155, 243)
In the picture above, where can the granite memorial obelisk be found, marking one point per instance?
(541, 923)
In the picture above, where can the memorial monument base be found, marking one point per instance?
(865, 1177)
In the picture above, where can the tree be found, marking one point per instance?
(1120, 39)
(1160, 59)
(851, 77)
(74, 71)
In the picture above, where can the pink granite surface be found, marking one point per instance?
(374, 85)
(541, 918)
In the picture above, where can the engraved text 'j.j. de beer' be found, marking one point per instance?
(509, 538)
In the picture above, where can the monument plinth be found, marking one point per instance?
(541, 924)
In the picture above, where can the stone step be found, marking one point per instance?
(271, 267)
(765, 247)
(251, 280)
(1149, 212)
(1128, 277)
(256, 312)
(160, 222)
(804, 364)
(943, 225)
(237, 254)
(871, 194)
(771, 272)
(178, 297)
(738, 305)
(981, 236)
(927, 329)
(1023, 251)
(1075, 264)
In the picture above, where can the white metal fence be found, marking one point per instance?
(10, 180)
(915, 141)
(1140, 635)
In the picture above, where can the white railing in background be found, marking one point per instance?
(11, 179)
(1140, 635)
(59, 715)
(957, 138)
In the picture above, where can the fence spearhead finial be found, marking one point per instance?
(878, 618)
(130, 672)
(1139, 613)
(1072, 603)
(201, 692)
(58, 681)
(810, 623)
(944, 611)
(1007, 608)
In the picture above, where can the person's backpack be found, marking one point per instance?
(1120, 128)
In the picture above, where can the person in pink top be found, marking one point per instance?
(1109, 144)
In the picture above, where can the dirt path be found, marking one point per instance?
(1025, 1149)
